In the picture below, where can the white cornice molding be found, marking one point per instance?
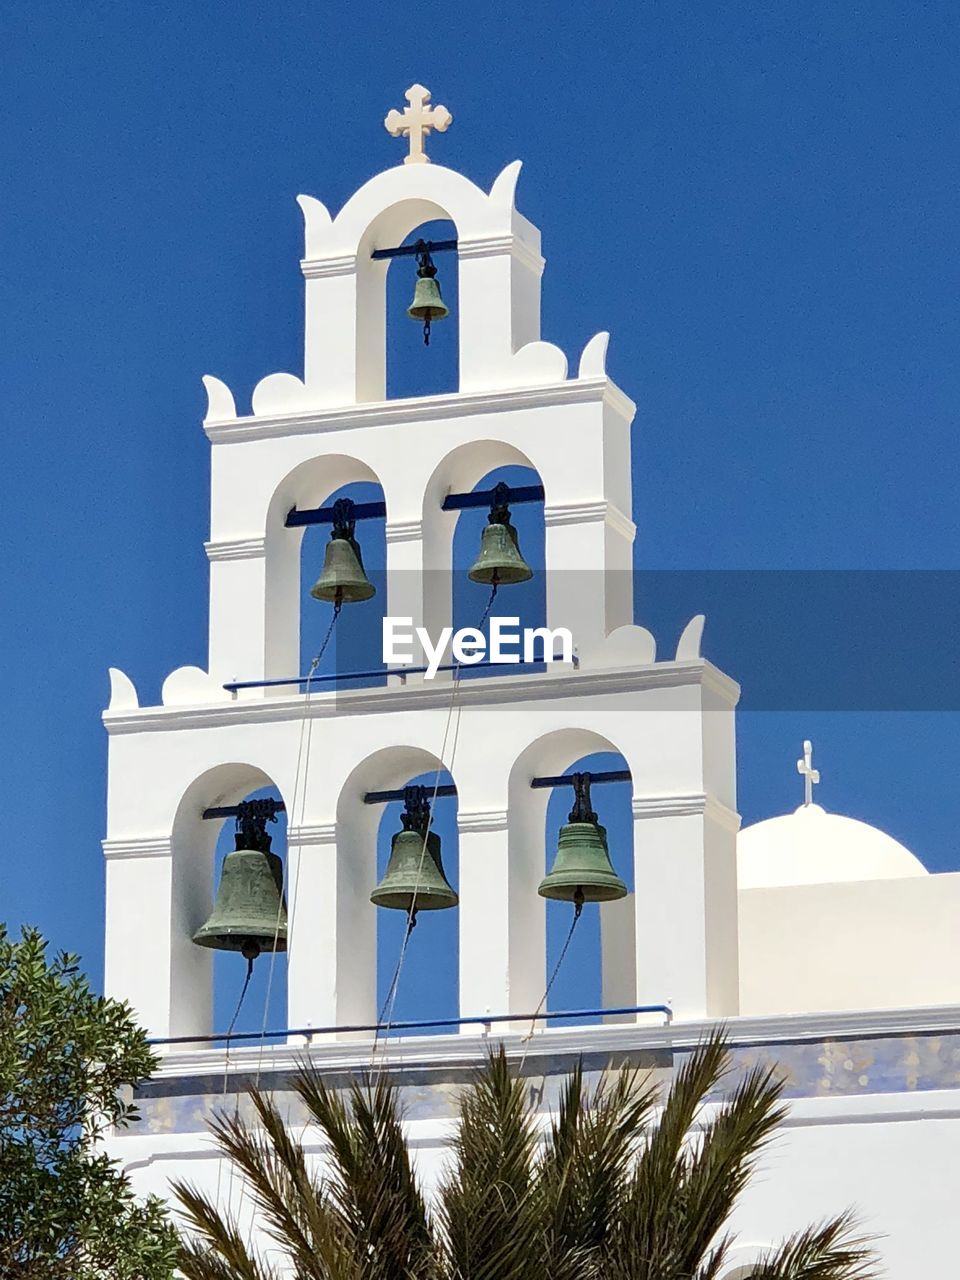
(445, 1051)
(395, 413)
(404, 530)
(482, 820)
(684, 806)
(475, 247)
(589, 513)
(311, 834)
(138, 847)
(235, 549)
(320, 268)
(394, 697)
(495, 246)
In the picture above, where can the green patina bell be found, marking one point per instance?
(342, 579)
(414, 878)
(249, 914)
(582, 871)
(499, 562)
(427, 305)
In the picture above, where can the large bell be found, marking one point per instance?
(582, 871)
(249, 914)
(414, 876)
(427, 305)
(342, 579)
(499, 562)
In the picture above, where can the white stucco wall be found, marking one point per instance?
(856, 945)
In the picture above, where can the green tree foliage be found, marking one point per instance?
(624, 1184)
(67, 1061)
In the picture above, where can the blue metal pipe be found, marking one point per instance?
(234, 685)
(484, 1021)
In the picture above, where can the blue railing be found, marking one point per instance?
(486, 1020)
(402, 672)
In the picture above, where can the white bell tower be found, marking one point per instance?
(675, 939)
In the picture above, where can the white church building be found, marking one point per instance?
(821, 942)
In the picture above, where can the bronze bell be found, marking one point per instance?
(249, 914)
(414, 879)
(342, 579)
(582, 871)
(427, 303)
(499, 562)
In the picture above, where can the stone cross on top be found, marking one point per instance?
(416, 121)
(810, 774)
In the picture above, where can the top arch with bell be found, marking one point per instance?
(498, 312)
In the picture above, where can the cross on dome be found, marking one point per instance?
(416, 121)
(810, 774)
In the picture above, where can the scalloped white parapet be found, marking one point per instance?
(538, 364)
(280, 393)
(123, 694)
(593, 361)
(629, 646)
(498, 314)
(190, 687)
(688, 646)
(221, 406)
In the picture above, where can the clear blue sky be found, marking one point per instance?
(760, 202)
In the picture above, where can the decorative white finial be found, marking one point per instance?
(416, 121)
(810, 774)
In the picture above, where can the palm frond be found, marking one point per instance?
(651, 1221)
(372, 1187)
(486, 1206)
(723, 1161)
(221, 1252)
(831, 1251)
(587, 1161)
(715, 1259)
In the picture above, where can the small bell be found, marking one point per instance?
(427, 303)
(499, 562)
(414, 879)
(342, 579)
(582, 871)
(249, 914)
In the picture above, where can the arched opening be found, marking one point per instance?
(583, 979)
(370, 938)
(525, 601)
(264, 1004)
(294, 557)
(598, 967)
(413, 367)
(354, 643)
(451, 538)
(206, 981)
(424, 986)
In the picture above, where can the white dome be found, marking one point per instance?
(811, 846)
